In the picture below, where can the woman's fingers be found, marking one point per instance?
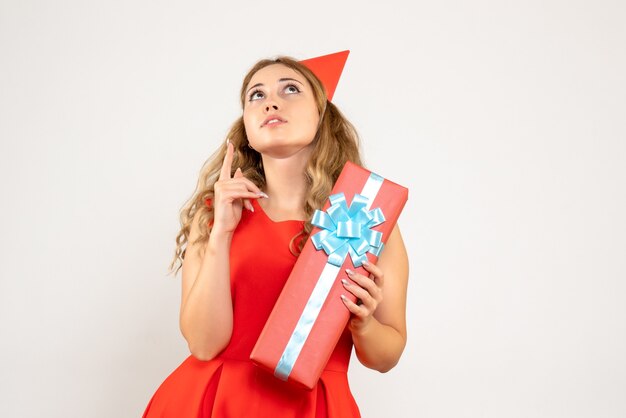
(378, 274)
(250, 185)
(361, 295)
(237, 179)
(227, 163)
(364, 289)
(232, 194)
(228, 193)
(246, 202)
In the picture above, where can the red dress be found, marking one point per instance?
(230, 385)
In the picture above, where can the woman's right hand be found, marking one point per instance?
(231, 194)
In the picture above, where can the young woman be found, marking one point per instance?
(245, 225)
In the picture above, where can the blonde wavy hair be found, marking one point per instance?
(335, 142)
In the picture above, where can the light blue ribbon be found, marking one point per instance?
(345, 230)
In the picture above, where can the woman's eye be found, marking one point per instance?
(256, 95)
(291, 88)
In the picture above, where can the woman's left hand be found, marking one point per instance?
(369, 293)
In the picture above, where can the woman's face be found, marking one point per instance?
(280, 114)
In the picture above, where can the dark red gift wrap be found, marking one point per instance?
(309, 316)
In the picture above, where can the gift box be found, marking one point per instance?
(309, 316)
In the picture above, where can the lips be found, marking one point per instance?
(273, 120)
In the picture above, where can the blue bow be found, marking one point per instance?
(347, 230)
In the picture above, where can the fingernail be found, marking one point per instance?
(263, 195)
(350, 272)
(365, 263)
(344, 281)
(227, 141)
(250, 207)
(343, 297)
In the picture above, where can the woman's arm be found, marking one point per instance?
(206, 313)
(378, 324)
(206, 309)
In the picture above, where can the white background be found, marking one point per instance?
(505, 119)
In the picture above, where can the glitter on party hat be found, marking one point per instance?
(328, 69)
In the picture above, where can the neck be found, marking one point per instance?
(285, 183)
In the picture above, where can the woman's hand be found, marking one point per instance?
(368, 291)
(231, 194)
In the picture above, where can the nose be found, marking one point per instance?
(271, 102)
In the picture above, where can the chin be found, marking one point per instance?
(281, 149)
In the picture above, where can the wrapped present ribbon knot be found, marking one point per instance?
(347, 230)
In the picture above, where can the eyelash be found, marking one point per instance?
(255, 91)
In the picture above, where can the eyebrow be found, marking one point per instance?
(280, 80)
